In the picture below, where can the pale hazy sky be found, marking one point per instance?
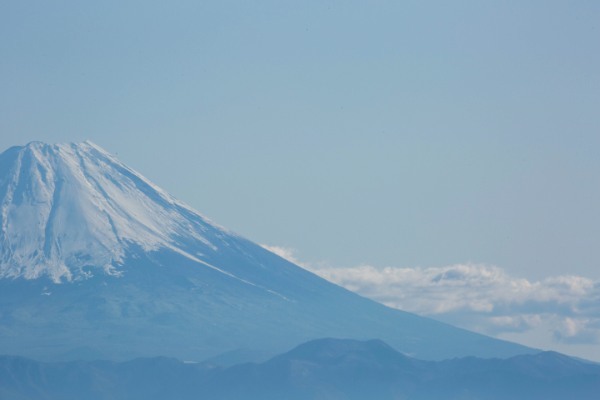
(397, 134)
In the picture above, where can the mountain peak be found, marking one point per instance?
(39, 146)
(71, 210)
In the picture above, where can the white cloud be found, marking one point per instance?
(283, 252)
(578, 330)
(479, 297)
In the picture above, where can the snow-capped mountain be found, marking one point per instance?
(70, 211)
(98, 262)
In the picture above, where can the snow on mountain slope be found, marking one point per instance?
(69, 209)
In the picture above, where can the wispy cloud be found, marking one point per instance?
(479, 297)
(284, 252)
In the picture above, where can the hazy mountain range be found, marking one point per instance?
(321, 369)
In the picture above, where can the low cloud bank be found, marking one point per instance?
(478, 297)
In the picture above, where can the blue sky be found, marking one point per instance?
(384, 133)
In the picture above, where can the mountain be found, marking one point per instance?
(321, 369)
(97, 262)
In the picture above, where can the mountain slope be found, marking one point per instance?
(98, 262)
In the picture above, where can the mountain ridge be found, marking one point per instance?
(323, 368)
